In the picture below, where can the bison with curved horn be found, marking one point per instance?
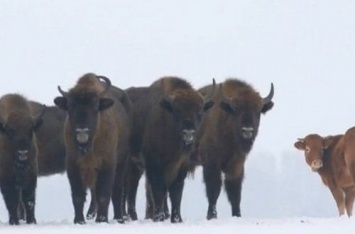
(96, 135)
(226, 137)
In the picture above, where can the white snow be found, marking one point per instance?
(305, 47)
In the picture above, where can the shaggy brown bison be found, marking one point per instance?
(18, 155)
(226, 137)
(140, 108)
(333, 158)
(96, 135)
(174, 113)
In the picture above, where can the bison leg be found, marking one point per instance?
(78, 192)
(166, 208)
(134, 175)
(234, 190)
(159, 191)
(29, 200)
(118, 193)
(213, 182)
(12, 198)
(149, 208)
(92, 208)
(175, 192)
(349, 200)
(104, 184)
(21, 213)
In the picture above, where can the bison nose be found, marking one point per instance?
(247, 132)
(22, 155)
(82, 135)
(188, 136)
(316, 164)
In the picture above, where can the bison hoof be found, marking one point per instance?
(211, 215)
(167, 214)
(31, 221)
(176, 219)
(120, 220)
(133, 216)
(90, 215)
(160, 217)
(14, 221)
(79, 221)
(101, 219)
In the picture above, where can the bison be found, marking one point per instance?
(96, 133)
(18, 155)
(226, 137)
(174, 113)
(333, 159)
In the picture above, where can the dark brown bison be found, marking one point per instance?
(333, 158)
(96, 139)
(226, 137)
(138, 97)
(174, 114)
(18, 155)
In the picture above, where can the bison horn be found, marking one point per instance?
(270, 95)
(63, 93)
(107, 82)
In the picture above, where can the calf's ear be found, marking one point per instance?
(226, 107)
(61, 102)
(105, 103)
(299, 145)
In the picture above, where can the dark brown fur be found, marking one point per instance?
(95, 164)
(18, 155)
(333, 158)
(173, 107)
(226, 137)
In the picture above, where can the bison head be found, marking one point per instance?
(18, 130)
(244, 110)
(83, 106)
(187, 108)
(314, 147)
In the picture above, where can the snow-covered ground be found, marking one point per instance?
(305, 47)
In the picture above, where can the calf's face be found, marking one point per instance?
(314, 147)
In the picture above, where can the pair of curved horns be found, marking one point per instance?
(104, 78)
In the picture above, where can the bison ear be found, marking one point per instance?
(327, 141)
(300, 145)
(267, 106)
(208, 105)
(165, 104)
(38, 124)
(105, 103)
(226, 107)
(61, 102)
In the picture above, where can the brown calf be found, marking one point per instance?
(333, 158)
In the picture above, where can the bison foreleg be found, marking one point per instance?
(117, 193)
(234, 190)
(29, 200)
(213, 182)
(133, 177)
(104, 184)
(159, 191)
(93, 207)
(12, 198)
(349, 200)
(78, 192)
(175, 193)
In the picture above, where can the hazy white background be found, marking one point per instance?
(305, 47)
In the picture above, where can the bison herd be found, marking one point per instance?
(106, 138)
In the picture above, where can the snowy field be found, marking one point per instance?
(305, 47)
